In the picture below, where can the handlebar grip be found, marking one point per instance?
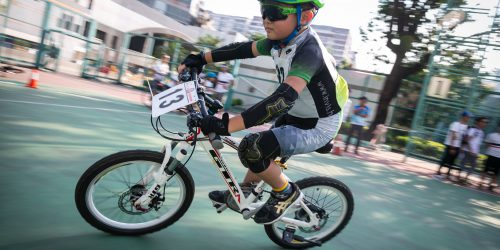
(216, 141)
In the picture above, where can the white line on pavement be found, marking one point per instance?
(82, 96)
(11, 83)
(77, 107)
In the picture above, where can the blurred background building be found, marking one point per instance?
(338, 41)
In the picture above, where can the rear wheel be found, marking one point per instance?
(330, 199)
(106, 192)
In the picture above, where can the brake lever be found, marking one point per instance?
(185, 76)
(194, 121)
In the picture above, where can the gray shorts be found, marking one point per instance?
(295, 141)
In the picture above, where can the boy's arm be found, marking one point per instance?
(364, 115)
(239, 51)
(306, 63)
(274, 105)
(358, 112)
(229, 52)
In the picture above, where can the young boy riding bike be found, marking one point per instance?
(307, 101)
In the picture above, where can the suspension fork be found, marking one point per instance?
(160, 174)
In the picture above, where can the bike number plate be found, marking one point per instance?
(176, 97)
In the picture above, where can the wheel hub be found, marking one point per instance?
(128, 198)
(303, 216)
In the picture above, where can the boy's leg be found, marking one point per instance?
(461, 160)
(292, 141)
(452, 156)
(349, 135)
(359, 136)
(492, 166)
(257, 152)
(443, 159)
(272, 176)
(251, 177)
(493, 180)
(471, 159)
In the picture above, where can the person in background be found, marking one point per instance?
(493, 162)
(224, 81)
(453, 142)
(470, 146)
(358, 121)
(210, 80)
(378, 136)
(161, 70)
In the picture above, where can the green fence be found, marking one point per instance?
(450, 88)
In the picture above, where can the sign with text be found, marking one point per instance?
(439, 87)
(176, 97)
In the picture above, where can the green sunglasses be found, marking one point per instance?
(276, 12)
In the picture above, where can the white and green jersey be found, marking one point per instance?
(307, 58)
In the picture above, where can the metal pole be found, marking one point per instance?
(58, 59)
(90, 37)
(45, 24)
(5, 20)
(123, 56)
(416, 122)
(365, 85)
(150, 44)
(6, 17)
(177, 50)
(230, 92)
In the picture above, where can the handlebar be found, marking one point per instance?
(192, 74)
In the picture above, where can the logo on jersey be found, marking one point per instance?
(283, 60)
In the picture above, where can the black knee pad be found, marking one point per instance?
(257, 150)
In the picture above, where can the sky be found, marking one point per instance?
(349, 14)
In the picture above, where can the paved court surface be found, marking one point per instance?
(50, 135)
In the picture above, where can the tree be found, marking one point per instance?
(408, 34)
(208, 41)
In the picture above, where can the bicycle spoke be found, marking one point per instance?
(123, 177)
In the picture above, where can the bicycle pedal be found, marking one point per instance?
(288, 235)
(219, 207)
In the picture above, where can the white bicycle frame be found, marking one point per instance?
(247, 205)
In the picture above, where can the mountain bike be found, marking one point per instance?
(139, 192)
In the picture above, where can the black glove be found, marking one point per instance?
(213, 124)
(195, 61)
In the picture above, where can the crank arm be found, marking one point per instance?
(300, 238)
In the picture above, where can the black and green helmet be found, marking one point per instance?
(317, 3)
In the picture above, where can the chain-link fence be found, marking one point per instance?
(460, 77)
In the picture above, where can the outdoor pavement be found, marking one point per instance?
(50, 135)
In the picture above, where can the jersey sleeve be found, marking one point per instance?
(307, 61)
(455, 127)
(264, 47)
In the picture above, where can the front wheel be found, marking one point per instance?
(106, 192)
(330, 199)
